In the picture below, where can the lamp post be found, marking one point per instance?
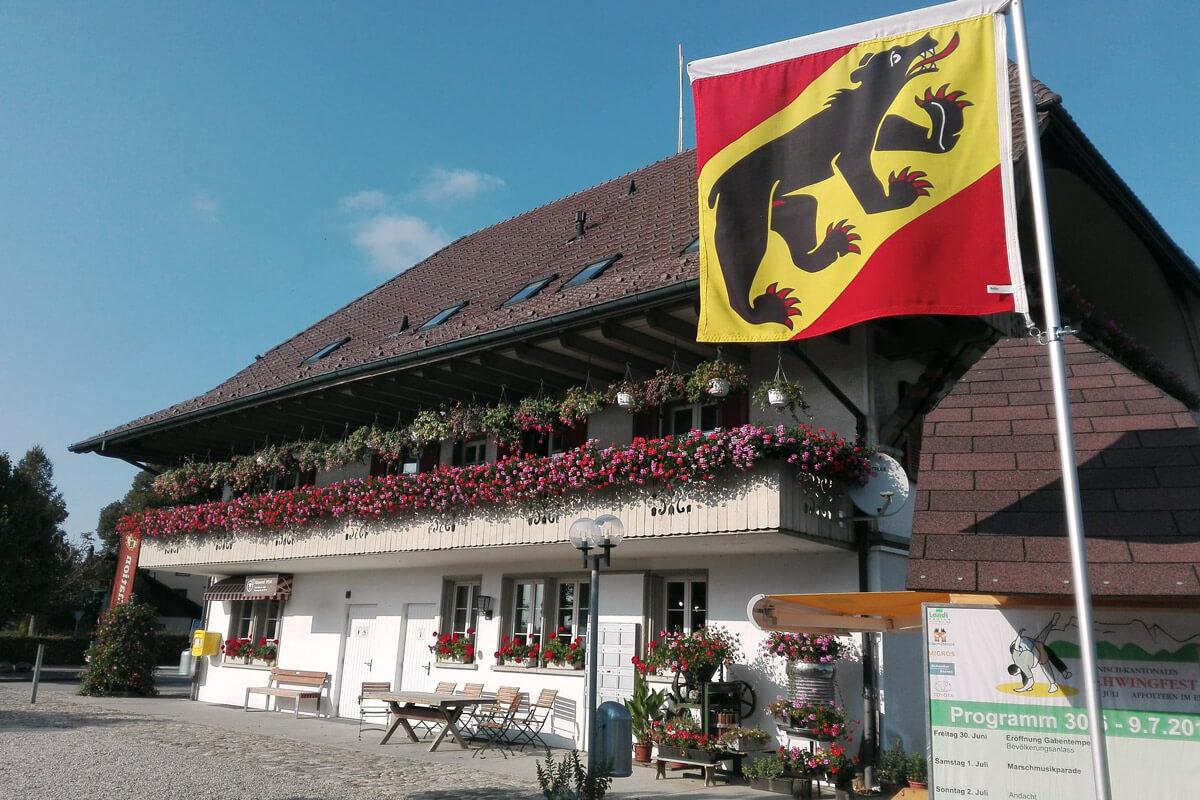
(601, 534)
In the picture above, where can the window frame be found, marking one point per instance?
(660, 614)
(259, 621)
(551, 609)
(451, 587)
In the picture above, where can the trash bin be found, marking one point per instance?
(614, 739)
(185, 662)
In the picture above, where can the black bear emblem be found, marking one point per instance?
(754, 196)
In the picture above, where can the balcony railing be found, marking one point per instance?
(763, 500)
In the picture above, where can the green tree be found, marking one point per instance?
(122, 658)
(141, 496)
(34, 554)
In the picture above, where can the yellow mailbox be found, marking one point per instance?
(206, 643)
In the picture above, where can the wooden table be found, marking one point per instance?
(427, 707)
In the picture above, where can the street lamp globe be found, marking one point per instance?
(583, 534)
(609, 531)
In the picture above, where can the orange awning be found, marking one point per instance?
(844, 612)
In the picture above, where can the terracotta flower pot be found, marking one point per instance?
(641, 752)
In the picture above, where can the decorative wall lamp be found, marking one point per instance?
(483, 604)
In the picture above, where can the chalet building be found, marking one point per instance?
(415, 529)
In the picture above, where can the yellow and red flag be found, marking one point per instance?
(855, 174)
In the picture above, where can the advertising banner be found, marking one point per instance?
(127, 561)
(1007, 716)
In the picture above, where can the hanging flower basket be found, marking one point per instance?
(666, 386)
(464, 421)
(628, 395)
(429, 426)
(499, 422)
(536, 413)
(782, 395)
(579, 404)
(715, 379)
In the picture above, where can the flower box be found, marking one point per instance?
(666, 751)
(776, 785)
(568, 667)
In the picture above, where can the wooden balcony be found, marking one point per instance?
(765, 501)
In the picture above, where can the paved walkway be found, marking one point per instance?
(171, 747)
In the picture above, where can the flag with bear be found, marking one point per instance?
(855, 174)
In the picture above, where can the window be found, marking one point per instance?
(538, 443)
(529, 290)
(443, 315)
(591, 271)
(684, 605)
(255, 619)
(694, 247)
(679, 419)
(467, 454)
(528, 610)
(460, 612)
(571, 609)
(326, 350)
(559, 606)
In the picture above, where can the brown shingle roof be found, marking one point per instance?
(989, 515)
(649, 228)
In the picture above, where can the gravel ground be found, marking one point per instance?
(62, 747)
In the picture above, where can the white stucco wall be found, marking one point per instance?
(314, 626)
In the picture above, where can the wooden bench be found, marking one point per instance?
(294, 683)
(707, 765)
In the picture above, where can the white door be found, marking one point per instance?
(357, 660)
(417, 658)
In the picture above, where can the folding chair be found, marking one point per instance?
(443, 687)
(373, 709)
(494, 722)
(467, 724)
(527, 725)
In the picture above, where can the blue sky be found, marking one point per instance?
(187, 185)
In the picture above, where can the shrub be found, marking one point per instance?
(123, 657)
(568, 780)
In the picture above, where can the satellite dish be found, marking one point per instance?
(885, 492)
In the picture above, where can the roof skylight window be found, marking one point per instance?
(326, 350)
(529, 290)
(694, 247)
(441, 316)
(591, 271)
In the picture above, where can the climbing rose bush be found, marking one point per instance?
(667, 463)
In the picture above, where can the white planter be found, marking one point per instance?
(624, 400)
(718, 387)
(776, 398)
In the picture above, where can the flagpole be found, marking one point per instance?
(679, 147)
(1062, 407)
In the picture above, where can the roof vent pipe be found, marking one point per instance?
(580, 221)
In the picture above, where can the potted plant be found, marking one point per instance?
(916, 771)
(628, 395)
(782, 395)
(428, 426)
(516, 652)
(693, 658)
(264, 652)
(645, 708)
(821, 719)
(893, 766)
(464, 421)
(536, 413)
(579, 404)
(454, 647)
(715, 379)
(766, 774)
(499, 422)
(664, 387)
(563, 653)
(681, 737)
(237, 651)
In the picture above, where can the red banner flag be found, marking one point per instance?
(127, 561)
(855, 174)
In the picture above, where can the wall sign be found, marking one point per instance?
(1007, 717)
